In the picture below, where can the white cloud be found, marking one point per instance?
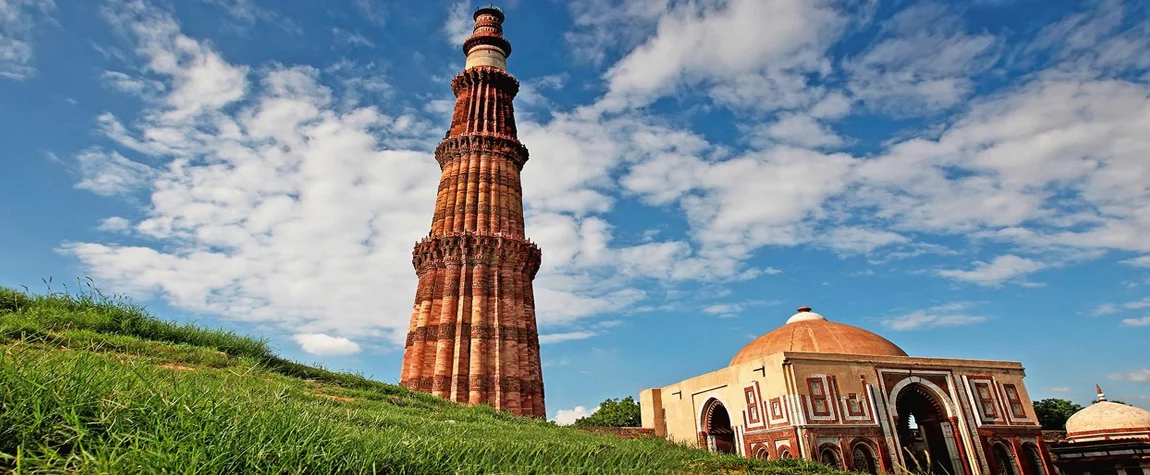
(248, 12)
(459, 22)
(114, 224)
(1104, 309)
(17, 20)
(1137, 376)
(923, 62)
(1051, 163)
(603, 27)
(995, 272)
(351, 38)
(1140, 261)
(800, 130)
(374, 11)
(723, 310)
(549, 338)
(531, 92)
(132, 85)
(324, 345)
(1137, 322)
(834, 106)
(852, 239)
(764, 198)
(109, 173)
(942, 316)
(200, 79)
(1100, 42)
(566, 417)
(748, 52)
(1059, 389)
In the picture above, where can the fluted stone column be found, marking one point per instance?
(473, 336)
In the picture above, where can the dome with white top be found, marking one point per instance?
(807, 331)
(1105, 420)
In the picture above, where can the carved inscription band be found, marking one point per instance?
(506, 333)
(452, 148)
(467, 248)
(482, 383)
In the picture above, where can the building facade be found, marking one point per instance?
(847, 397)
(1106, 438)
(473, 336)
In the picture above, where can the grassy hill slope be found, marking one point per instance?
(95, 384)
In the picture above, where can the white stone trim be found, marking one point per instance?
(826, 395)
(783, 408)
(759, 406)
(864, 404)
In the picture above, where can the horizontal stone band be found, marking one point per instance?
(477, 332)
(513, 253)
(497, 145)
(483, 383)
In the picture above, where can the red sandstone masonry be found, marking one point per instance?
(473, 336)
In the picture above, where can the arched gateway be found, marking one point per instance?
(717, 428)
(926, 437)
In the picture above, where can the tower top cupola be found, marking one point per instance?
(486, 46)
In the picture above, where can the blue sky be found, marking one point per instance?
(968, 179)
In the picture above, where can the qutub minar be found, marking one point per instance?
(472, 336)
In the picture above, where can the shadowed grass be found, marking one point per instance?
(96, 385)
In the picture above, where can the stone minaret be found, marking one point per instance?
(472, 336)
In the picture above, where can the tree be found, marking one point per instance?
(614, 413)
(1052, 413)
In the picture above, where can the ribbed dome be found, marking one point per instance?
(1105, 418)
(807, 331)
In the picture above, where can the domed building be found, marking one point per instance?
(847, 397)
(1106, 438)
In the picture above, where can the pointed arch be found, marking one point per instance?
(715, 421)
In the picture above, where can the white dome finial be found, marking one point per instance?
(805, 314)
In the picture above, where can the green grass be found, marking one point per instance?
(94, 384)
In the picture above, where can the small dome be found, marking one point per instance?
(807, 331)
(1105, 419)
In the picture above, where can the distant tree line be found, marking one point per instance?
(614, 413)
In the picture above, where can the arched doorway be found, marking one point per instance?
(762, 453)
(829, 456)
(1032, 461)
(923, 432)
(1003, 462)
(863, 458)
(717, 427)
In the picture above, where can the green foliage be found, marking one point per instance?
(614, 413)
(96, 385)
(1052, 413)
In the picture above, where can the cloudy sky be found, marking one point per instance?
(969, 179)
